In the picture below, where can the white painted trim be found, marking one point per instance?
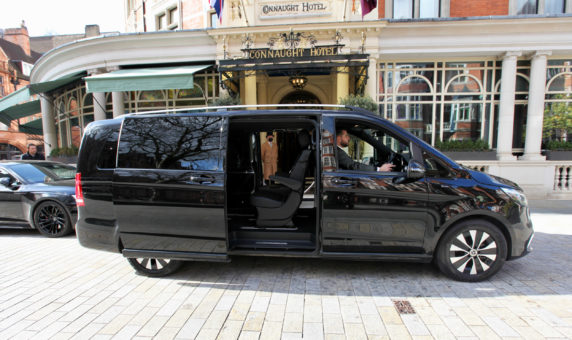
(117, 50)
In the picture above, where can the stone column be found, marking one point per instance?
(250, 88)
(506, 107)
(118, 104)
(99, 106)
(372, 79)
(48, 123)
(343, 83)
(535, 114)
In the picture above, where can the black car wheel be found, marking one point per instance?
(52, 220)
(155, 267)
(472, 251)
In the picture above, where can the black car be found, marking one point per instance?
(164, 187)
(38, 194)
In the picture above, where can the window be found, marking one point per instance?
(428, 8)
(407, 9)
(554, 6)
(213, 19)
(439, 101)
(526, 7)
(167, 19)
(368, 147)
(179, 143)
(547, 7)
(402, 9)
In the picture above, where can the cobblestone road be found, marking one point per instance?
(55, 289)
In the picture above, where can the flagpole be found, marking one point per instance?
(345, 7)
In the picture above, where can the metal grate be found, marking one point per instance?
(403, 307)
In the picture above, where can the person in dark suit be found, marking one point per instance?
(347, 163)
(32, 153)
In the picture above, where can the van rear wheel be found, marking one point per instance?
(472, 251)
(154, 267)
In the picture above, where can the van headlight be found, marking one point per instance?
(516, 195)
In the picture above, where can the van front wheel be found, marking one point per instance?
(154, 267)
(471, 251)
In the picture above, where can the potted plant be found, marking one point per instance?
(558, 150)
(66, 155)
(364, 102)
(556, 125)
(476, 150)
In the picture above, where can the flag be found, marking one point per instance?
(367, 6)
(217, 5)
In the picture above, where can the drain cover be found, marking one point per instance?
(403, 307)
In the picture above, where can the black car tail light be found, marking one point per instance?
(78, 191)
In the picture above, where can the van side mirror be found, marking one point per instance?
(415, 170)
(5, 181)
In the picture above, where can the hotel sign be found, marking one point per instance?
(291, 9)
(265, 53)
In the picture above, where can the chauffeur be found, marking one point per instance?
(345, 161)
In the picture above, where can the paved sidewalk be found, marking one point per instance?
(55, 289)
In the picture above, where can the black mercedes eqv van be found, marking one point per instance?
(167, 187)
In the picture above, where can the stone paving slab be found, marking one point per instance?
(56, 289)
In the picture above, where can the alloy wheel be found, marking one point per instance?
(473, 252)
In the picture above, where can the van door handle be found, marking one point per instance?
(202, 179)
(343, 181)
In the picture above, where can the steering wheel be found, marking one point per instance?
(397, 160)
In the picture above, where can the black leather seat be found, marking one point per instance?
(276, 206)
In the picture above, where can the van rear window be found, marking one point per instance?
(174, 142)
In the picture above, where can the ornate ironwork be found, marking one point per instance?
(292, 40)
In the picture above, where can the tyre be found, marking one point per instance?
(52, 219)
(471, 251)
(154, 267)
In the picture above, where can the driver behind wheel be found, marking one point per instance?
(347, 163)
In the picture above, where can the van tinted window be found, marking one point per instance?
(181, 143)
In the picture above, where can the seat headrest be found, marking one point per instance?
(304, 139)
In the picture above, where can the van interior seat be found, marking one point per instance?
(276, 206)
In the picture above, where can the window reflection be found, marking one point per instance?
(187, 143)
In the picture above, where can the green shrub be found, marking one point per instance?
(364, 102)
(463, 145)
(225, 100)
(64, 152)
(559, 145)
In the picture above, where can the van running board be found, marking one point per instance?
(275, 244)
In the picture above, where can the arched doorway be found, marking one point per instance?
(300, 97)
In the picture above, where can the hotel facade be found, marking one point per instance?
(445, 70)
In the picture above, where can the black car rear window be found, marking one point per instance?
(180, 143)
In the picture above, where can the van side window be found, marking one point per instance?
(106, 159)
(179, 143)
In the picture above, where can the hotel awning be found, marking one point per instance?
(34, 127)
(160, 78)
(18, 105)
(54, 84)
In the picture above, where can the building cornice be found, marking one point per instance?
(117, 50)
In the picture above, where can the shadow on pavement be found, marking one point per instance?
(545, 271)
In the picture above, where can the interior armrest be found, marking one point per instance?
(287, 181)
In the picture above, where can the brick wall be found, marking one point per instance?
(381, 8)
(464, 8)
(18, 36)
(192, 17)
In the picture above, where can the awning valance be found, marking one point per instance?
(54, 84)
(20, 111)
(33, 128)
(143, 79)
(17, 105)
(15, 98)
